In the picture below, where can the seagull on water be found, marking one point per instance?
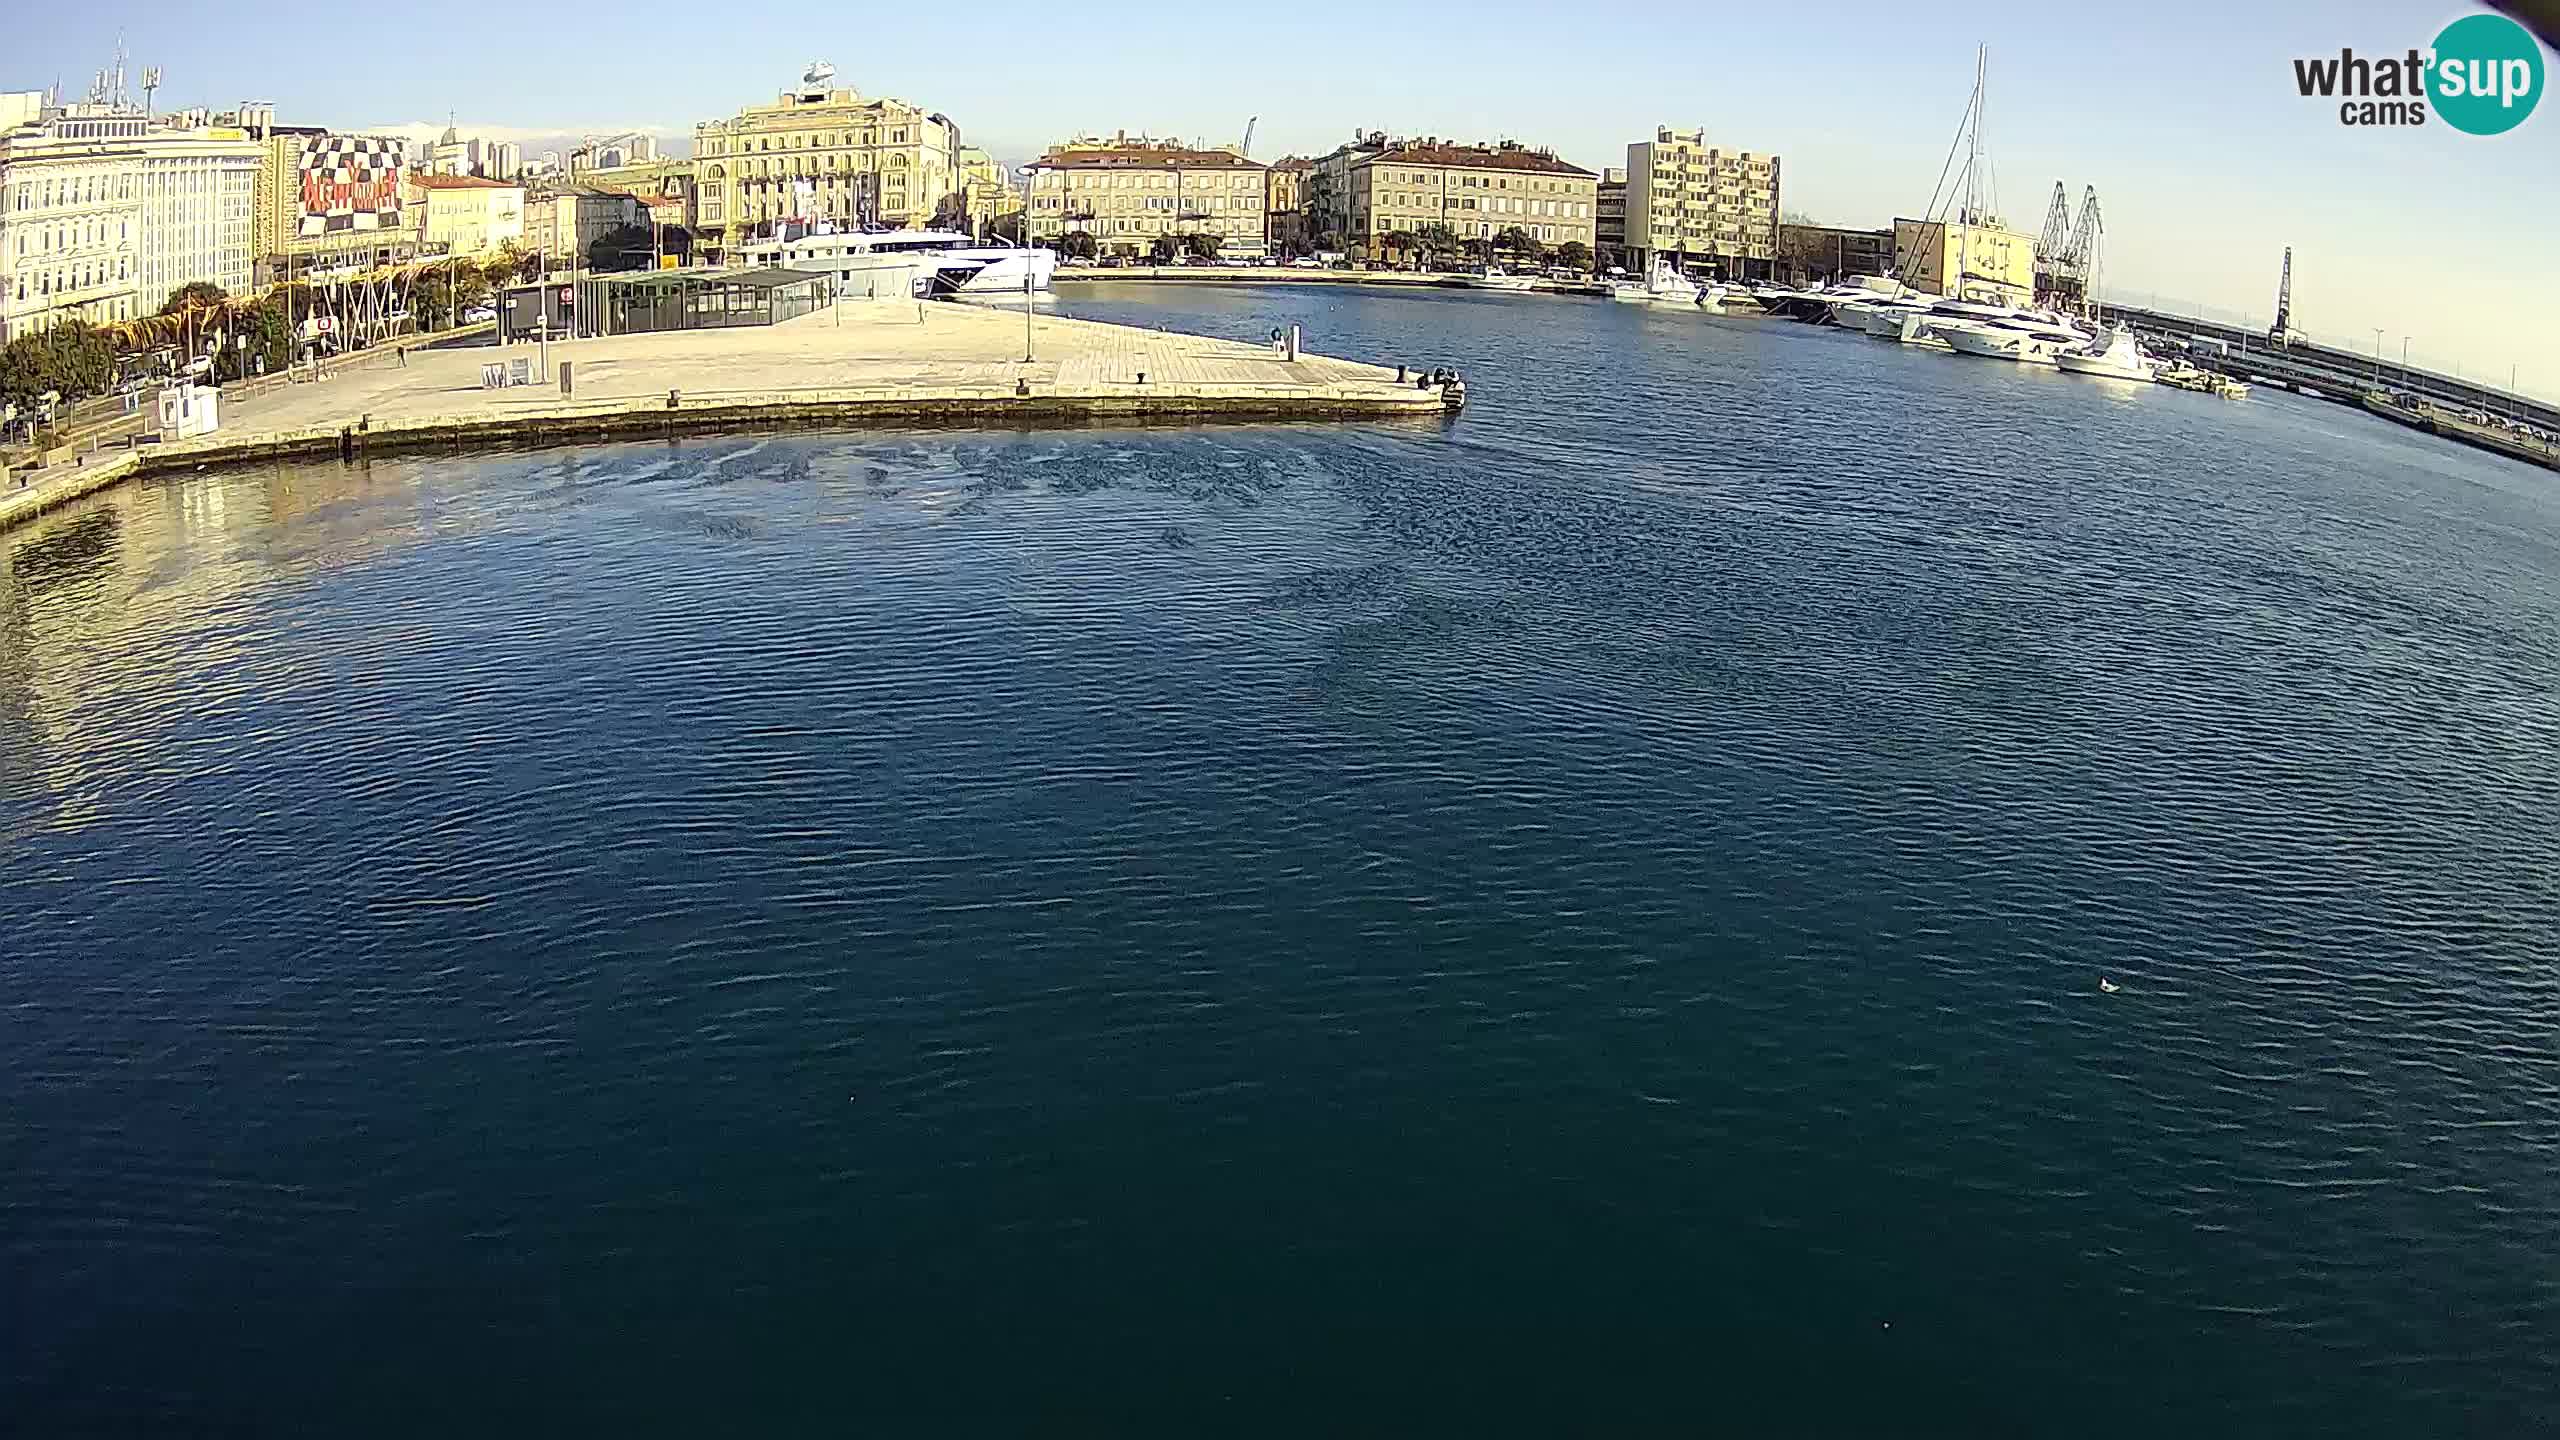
(2107, 986)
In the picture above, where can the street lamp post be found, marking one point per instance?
(2377, 357)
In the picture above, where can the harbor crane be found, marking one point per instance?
(2282, 332)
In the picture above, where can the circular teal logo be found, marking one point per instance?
(2485, 75)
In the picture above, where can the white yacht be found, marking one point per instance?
(2025, 337)
(1494, 277)
(927, 262)
(1666, 286)
(1883, 318)
(2119, 359)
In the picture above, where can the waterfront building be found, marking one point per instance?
(987, 193)
(1984, 258)
(824, 155)
(1609, 231)
(1705, 208)
(466, 215)
(331, 206)
(1374, 190)
(663, 187)
(1126, 192)
(1284, 206)
(70, 217)
(198, 189)
(1832, 252)
(566, 223)
(104, 211)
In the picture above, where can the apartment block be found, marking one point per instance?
(1125, 192)
(1706, 209)
(1375, 191)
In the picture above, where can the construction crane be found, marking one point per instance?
(2282, 332)
(2082, 253)
(2057, 240)
(1248, 135)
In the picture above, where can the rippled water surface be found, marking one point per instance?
(1583, 920)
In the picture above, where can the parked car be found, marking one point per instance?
(1306, 262)
(1112, 262)
(1079, 261)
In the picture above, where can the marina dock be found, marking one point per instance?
(861, 364)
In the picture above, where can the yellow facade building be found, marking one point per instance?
(821, 154)
(466, 215)
(1285, 206)
(988, 193)
(1982, 260)
(1376, 190)
(1126, 193)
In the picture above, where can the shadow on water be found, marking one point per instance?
(78, 549)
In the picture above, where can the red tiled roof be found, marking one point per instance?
(1474, 157)
(457, 182)
(1144, 156)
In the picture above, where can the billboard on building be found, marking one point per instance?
(350, 183)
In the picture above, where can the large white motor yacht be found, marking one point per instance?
(1998, 332)
(925, 262)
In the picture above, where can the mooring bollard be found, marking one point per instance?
(672, 397)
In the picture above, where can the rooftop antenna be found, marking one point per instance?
(150, 83)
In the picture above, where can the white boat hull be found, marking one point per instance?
(2103, 367)
(1993, 344)
(1003, 273)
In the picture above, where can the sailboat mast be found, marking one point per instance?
(1972, 179)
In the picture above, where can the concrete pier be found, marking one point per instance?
(898, 363)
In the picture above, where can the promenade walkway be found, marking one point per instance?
(896, 362)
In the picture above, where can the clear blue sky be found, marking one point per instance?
(2183, 114)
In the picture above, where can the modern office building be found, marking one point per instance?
(1127, 191)
(819, 154)
(198, 190)
(1709, 210)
